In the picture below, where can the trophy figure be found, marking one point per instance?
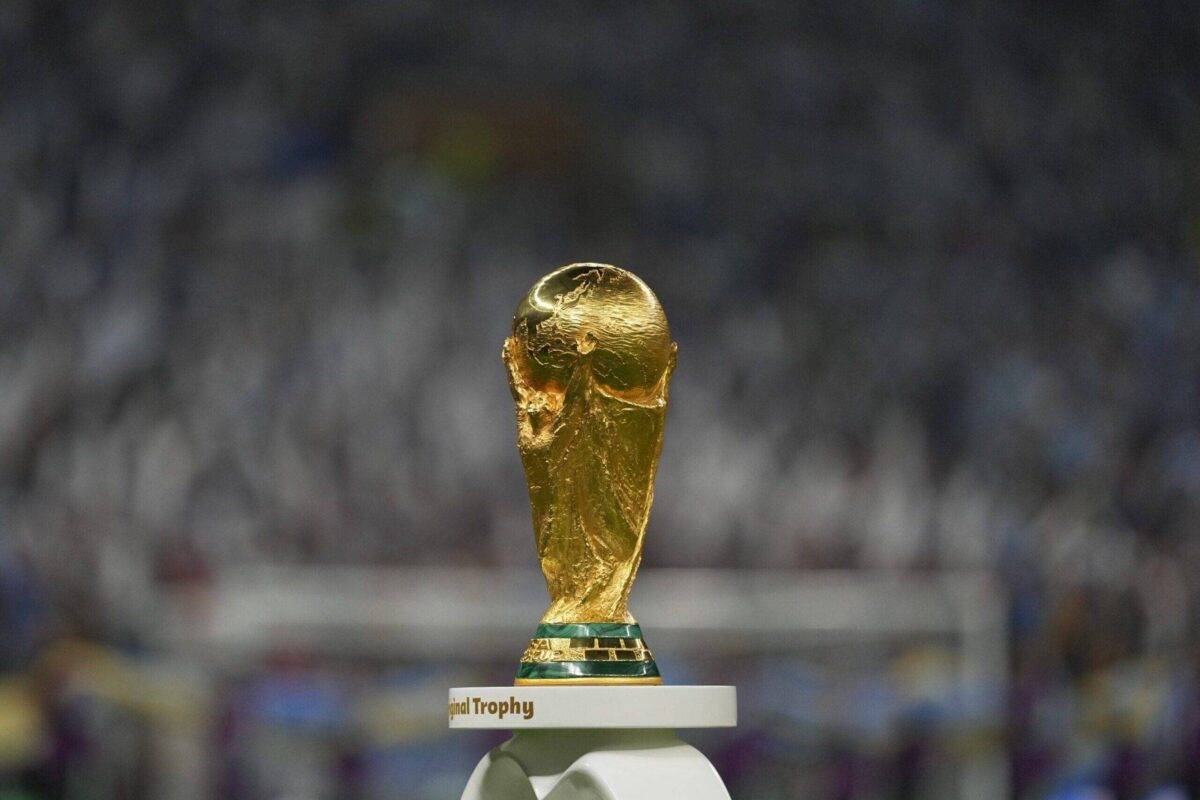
(589, 364)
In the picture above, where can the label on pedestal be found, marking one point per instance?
(524, 707)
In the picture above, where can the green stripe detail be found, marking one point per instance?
(588, 630)
(589, 669)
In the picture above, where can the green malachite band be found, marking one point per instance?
(609, 651)
(585, 630)
(589, 669)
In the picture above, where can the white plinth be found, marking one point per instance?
(593, 742)
(527, 707)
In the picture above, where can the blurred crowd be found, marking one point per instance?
(932, 271)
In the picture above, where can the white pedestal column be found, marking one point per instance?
(594, 742)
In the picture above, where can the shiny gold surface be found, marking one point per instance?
(589, 362)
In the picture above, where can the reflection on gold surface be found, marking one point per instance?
(589, 362)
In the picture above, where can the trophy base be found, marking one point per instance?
(589, 742)
(591, 764)
(588, 681)
(587, 653)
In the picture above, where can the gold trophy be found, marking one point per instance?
(589, 362)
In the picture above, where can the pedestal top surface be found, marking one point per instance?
(577, 707)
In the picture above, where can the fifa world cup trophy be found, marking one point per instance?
(589, 364)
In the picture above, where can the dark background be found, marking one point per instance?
(932, 271)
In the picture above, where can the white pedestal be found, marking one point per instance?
(593, 742)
